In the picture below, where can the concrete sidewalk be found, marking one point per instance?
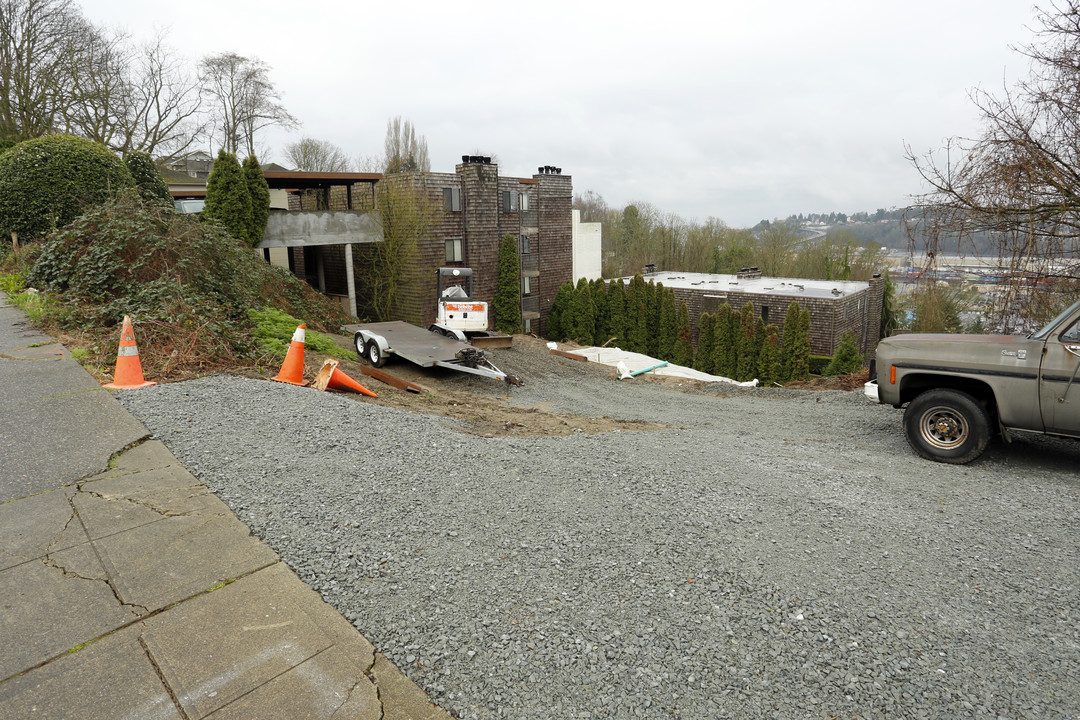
(128, 590)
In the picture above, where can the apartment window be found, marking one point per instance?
(765, 314)
(525, 245)
(523, 201)
(510, 201)
(528, 325)
(526, 286)
(454, 251)
(452, 199)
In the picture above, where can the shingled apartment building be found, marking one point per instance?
(478, 208)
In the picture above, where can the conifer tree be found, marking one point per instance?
(555, 325)
(800, 358)
(668, 330)
(683, 351)
(724, 342)
(759, 335)
(654, 295)
(227, 198)
(260, 198)
(616, 303)
(789, 340)
(847, 358)
(703, 358)
(746, 362)
(602, 312)
(638, 340)
(770, 368)
(582, 313)
(506, 305)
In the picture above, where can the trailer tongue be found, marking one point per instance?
(377, 341)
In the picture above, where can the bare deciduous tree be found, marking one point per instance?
(133, 97)
(242, 99)
(311, 155)
(404, 150)
(39, 42)
(1019, 181)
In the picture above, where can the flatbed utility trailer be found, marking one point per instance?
(375, 342)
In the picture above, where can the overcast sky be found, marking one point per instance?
(735, 110)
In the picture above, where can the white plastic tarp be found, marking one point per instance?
(637, 361)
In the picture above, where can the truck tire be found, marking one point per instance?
(375, 354)
(947, 426)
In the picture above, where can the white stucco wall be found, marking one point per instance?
(586, 241)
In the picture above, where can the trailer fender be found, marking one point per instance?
(362, 337)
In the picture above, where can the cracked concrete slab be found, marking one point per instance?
(325, 687)
(34, 526)
(216, 648)
(149, 455)
(84, 686)
(163, 491)
(157, 564)
(48, 609)
(402, 699)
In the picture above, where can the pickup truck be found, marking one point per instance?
(960, 388)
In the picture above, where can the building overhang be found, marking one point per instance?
(320, 227)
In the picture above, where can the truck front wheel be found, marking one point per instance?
(947, 426)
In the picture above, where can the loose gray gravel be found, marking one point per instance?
(776, 554)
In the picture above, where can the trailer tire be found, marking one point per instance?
(375, 354)
(358, 343)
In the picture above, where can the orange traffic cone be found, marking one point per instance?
(292, 370)
(330, 377)
(128, 374)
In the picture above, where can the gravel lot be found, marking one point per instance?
(773, 554)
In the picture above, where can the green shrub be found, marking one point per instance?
(187, 285)
(152, 187)
(49, 181)
(847, 358)
(818, 363)
(274, 330)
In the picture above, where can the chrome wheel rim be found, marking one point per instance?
(944, 428)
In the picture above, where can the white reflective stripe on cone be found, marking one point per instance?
(298, 336)
(127, 351)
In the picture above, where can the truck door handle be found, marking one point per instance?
(1074, 349)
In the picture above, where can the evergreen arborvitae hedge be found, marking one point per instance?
(746, 364)
(228, 200)
(506, 305)
(555, 326)
(582, 314)
(800, 362)
(668, 331)
(152, 187)
(616, 304)
(789, 341)
(704, 359)
(770, 368)
(602, 312)
(259, 192)
(847, 358)
(682, 353)
(724, 347)
(49, 181)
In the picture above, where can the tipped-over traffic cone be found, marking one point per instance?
(331, 377)
(292, 370)
(128, 374)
